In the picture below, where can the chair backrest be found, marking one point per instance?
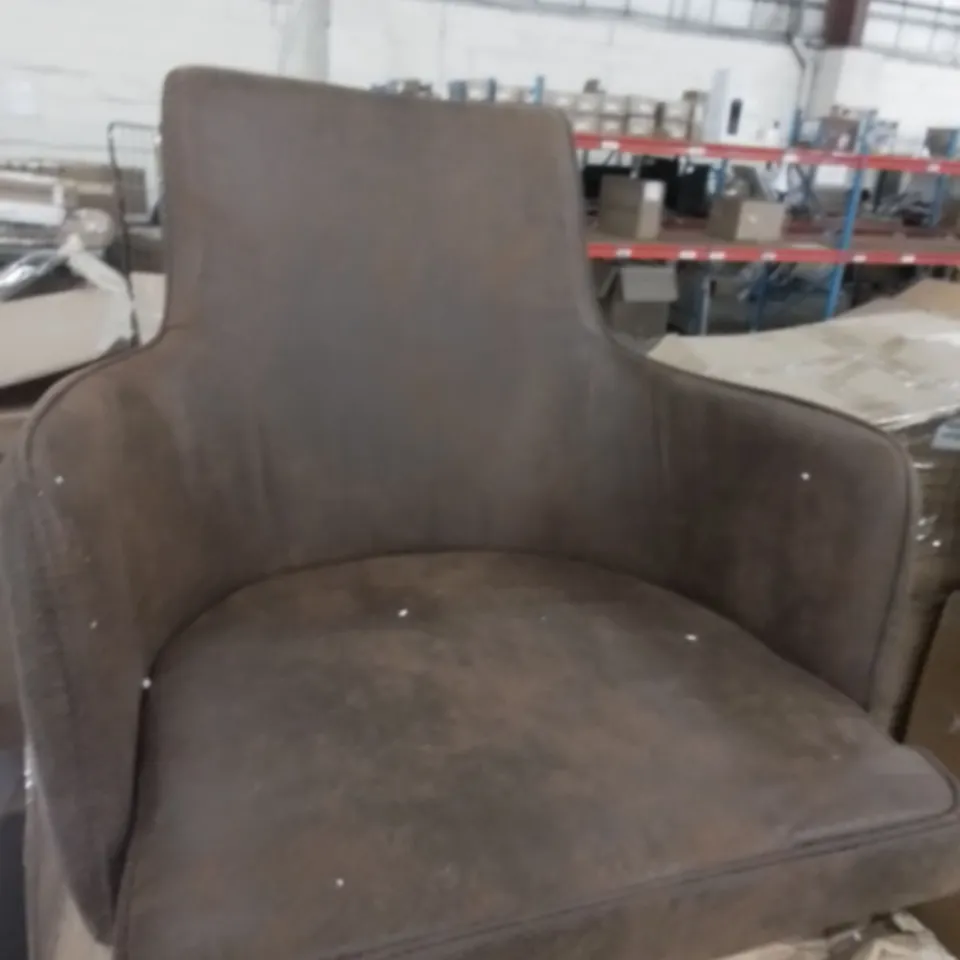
(380, 337)
(398, 289)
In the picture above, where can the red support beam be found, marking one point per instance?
(843, 22)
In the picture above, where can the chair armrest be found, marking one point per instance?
(792, 520)
(101, 558)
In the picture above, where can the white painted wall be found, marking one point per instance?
(918, 95)
(69, 67)
(375, 40)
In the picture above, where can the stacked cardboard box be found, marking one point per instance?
(893, 364)
(631, 208)
(512, 93)
(673, 119)
(94, 185)
(641, 119)
(34, 198)
(591, 110)
(583, 109)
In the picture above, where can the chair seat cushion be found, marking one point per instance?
(491, 755)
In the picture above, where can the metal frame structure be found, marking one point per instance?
(849, 247)
(113, 129)
(768, 19)
(915, 29)
(841, 247)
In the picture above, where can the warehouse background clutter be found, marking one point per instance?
(69, 67)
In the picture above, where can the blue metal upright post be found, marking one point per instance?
(849, 222)
(721, 180)
(940, 190)
(796, 127)
(539, 86)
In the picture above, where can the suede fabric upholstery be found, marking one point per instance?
(412, 551)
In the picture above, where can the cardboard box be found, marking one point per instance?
(615, 105)
(935, 726)
(560, 99)
(872, 307)
(738, 218)
(937, 141)
(96, 187)
(672, 129)
(932, 296)
(641, 105)
(935, 296)
(636, 298)
(611, 126)
(631, 208)
(641, 125)
(588, 102)
(894, 367)
(34, 199)
(510, 93)
(675, 110)
(585, 122)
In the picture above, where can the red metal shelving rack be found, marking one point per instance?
(698, 248)
(660, 147)
(695, 246)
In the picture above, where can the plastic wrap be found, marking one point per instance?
(54, 332)
(892, 369)
(902, 937)
(898, 369)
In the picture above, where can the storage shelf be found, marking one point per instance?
(696, 246)
(662, 147)
(689, 242)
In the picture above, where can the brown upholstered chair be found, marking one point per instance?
(468, 633)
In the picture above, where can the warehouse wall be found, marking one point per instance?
(375, 40)
(69, 67)
(917, 95)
